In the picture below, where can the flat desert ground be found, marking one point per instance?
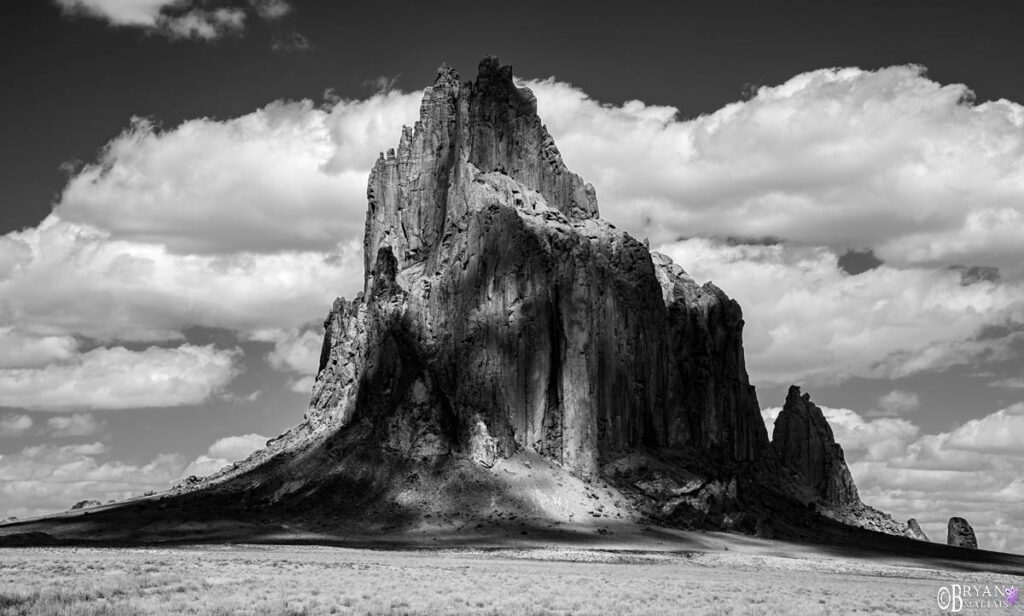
(726, 575)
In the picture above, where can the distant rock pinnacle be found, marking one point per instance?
(960, 534)
(915, 531)
(803, 440)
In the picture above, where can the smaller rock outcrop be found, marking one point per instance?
(960, 534)
(85, 504)
(803, 441)
(914, 530)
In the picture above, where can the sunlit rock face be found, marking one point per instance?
(500, 313)
(803, 440)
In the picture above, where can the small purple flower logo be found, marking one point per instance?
(1012, 595)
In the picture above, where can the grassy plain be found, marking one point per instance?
(300, 580)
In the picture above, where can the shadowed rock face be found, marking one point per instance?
(499, 313)
(914, 530)
(960, 534)
(803, 440)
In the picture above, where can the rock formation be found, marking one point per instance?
(960, 534)
(85, 504)
(499, 313)
(803, 440)
(514, 357)
(914, 530)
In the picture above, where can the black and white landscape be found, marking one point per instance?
(311, 310)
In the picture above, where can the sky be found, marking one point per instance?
(182, 191)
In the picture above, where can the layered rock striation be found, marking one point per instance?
(499, 313)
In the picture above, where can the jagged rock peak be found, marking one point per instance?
(914, 530)
(481, 126)
(960, 534)
(803, 440)
(446, 74)
(500, 314)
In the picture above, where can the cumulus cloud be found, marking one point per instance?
(246, 224)
(1001, 432)
(176, 18)
(223, 452)
(896, 403)
(75, 279)
(48, 478)
(19, 350)
(77, 424)
(295, 351)
(14, 425)
(290, 176)
(821, 159)
(237, 447)
(117, 378)
(809, 321)
(302, 385)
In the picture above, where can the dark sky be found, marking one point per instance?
(71, 84)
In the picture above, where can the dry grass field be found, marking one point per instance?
(294, 580)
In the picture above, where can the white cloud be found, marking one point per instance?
(77, 424)
(204, 24)
(821, 159)
(14, 425)
(808, 321)
(296, 350)
(223, 452)
(1001, 432)
(119, 12)
(176, 18)
(46, 478)
(237, 447)
(303, 385)
(117, 378)
(290, 176)
(271, 9)
(251, 223)
(76, 280)
(895, 403)
(18, 350)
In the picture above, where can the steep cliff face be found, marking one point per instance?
(500, 314)
(803, 440)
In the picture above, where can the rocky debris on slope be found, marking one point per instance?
(865, 516)
(914, 530)
(85, 504)
(960, 534)
(803, 441)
